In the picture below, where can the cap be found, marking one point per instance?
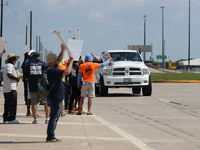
(51, 58)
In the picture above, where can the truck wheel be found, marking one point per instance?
(148, 89)
(103, 90)
(136, 90)
(96, 89)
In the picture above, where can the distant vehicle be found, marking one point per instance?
(129, 71)
(1, 77)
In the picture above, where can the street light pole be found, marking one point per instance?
(144, 53)
(189, 41)
(30, 30)
(1, 26)
(163, 51)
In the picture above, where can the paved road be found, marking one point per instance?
(167, 120)
(152, 70)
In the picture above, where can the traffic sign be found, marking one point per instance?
(170, 61)
(161, 56)
(173, 67)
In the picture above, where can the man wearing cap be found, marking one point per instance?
(10, 90)
(33, 72)
(55, 98)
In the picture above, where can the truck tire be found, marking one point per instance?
(96, 89)
(148, 89)
(103, 90)
(136, 90)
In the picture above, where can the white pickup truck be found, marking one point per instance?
(129, 71)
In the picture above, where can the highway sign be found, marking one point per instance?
(161, 56)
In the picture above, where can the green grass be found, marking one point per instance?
(175, 76)
(21, 77)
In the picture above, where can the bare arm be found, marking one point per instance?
(59, 59)
(13, 77)
(4, 51)
(70, 64)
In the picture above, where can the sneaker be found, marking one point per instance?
(83, 112)
(5, 122)
(76, 109)
(63, 115)
(78, 113)
(13, 122)
(71, 112)
(52, 140)
(28, 114)
(35, 122)
(90, 113)
(46, 121)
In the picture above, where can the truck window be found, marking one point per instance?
(125, 56)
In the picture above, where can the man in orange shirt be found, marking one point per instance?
(86, 70)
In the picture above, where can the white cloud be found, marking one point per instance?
(20, 16)
(179, 16)
(96, 15)
(123, 4)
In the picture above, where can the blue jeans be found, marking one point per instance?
(55, 106)
(10, 106)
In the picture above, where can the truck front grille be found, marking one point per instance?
(118, 73)
(120, 83)
(135, 73)
(126, 71)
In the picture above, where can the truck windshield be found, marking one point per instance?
(125, 56)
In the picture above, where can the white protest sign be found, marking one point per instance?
(2, 44)
(26, 49)
(105, 57)
(74, 34)
(62, 41)
(75, 47)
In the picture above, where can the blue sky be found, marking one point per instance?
(104, 24)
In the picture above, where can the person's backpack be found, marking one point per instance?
(42, 85)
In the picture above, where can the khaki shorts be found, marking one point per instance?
(35, 98)
(88, 89)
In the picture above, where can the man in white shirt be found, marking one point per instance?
(11, 80)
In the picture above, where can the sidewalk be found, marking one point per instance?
(175, 81)
(76, 132)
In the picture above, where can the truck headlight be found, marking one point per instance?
(145, 71)
(107, 71)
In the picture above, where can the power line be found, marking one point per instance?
(14, 12)
(10, 26)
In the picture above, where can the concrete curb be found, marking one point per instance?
(176, 81)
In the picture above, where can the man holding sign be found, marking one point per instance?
(55, 98)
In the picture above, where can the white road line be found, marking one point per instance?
(163, 100)
(128, 136)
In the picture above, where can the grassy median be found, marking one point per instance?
(175, 76)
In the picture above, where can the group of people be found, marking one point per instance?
(60, 74)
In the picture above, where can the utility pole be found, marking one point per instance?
(30, 30)
(39, 43)
(189, 41)
(36, 43)
(144, 53)
(26, 35)
(163, 48)
(1, 35)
